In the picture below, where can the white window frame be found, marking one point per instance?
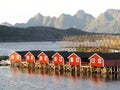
(40, 57)
(12, 57)
(71, 59)
(17, 57)
(55, 58)
(99, 60)
(77, 60)
(93, 60)
(32, 57)
(28, 57)
(45, 58)
(60, 59)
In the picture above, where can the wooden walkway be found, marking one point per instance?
(68, 68)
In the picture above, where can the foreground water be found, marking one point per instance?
(8, 47)
(24, 79)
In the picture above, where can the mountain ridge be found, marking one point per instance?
(106, 22)
(64, 21)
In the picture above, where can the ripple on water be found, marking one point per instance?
(16, 79)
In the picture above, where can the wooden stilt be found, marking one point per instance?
(103, 70)
(37, 65)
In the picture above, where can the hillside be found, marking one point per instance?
(13, 34)
(107, 22)
(64, 21)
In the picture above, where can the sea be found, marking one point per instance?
(12, 78)
(9, 47)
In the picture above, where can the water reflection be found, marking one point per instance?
(95, 78)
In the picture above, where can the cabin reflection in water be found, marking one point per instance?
(96, 78)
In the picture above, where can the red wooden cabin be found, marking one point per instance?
(111, 59)
(15, 57)
(96, 60)
(29, 57)
(58, 59)
(43, 58)
(74, 59)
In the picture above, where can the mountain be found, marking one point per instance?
(107, 22)
(15, 34)
(6, 24)
(64, 21)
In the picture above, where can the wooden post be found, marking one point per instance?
(37, 65)
(103, 70)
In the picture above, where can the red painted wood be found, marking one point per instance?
(29, 57)
(15, 57)
(43, 58)
(74, 59)
(112, 62)
(58, 59)
(96, 60)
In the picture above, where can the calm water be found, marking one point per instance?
(7, 48)
(24, 79)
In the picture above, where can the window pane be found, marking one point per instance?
(77, 59)
(45, 58)
(40, 57)
(12, 56)
(60, 59)
(93, 60)
(31, 57)
(55, 58)
(99, 60)
(17, 57)
(27, 57)
(71, 59)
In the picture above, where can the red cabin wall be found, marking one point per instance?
(74, 60)
(15, 57)
(29, 57)
(43, 58)
(112, 62)
(96, 61)
(58, 59)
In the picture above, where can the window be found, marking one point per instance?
(55, 58)
(27, 57)
(40, 57)
(45, 58)
(71, 59)
(31, 57)
(99, 60)
(77, 59)
(60, 59)
(12, 57)
(93, 60)
(17, 57)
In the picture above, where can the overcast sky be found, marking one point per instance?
(18, 11)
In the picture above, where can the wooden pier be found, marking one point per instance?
(68, 68)
(81, 62)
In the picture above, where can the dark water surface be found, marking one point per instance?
(25, 79)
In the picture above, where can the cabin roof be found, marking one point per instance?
(22, 53)
(65, 54)
(109, 55)
(35, 52)
(49, 53)
(83, 54)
